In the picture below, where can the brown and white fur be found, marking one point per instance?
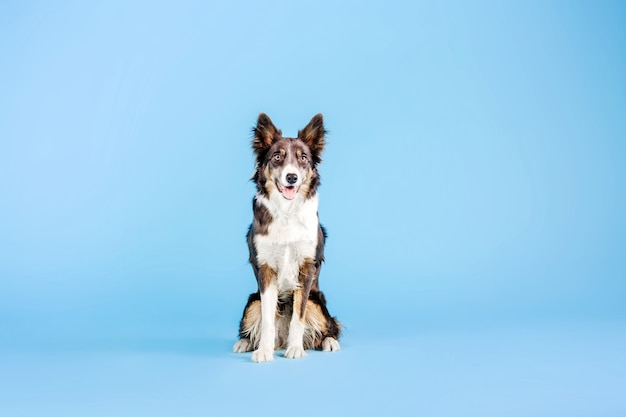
(286, 243)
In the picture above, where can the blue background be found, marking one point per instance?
(473, 190)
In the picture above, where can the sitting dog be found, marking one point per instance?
(286, 243)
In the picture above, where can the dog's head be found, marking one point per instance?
(288, 165)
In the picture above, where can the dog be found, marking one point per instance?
(286, 244)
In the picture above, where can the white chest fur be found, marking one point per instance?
(291, 237)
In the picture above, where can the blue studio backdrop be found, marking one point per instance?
(473, 188)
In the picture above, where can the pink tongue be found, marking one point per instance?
(290, 192)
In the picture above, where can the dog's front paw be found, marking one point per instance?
(242, 345)
(330, 344)
(295, 352)
(262, 355)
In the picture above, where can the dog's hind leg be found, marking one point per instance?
(322, 330)
(250, 325)
(242, 346)
(330, 344)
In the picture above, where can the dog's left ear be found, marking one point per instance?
(313, 136)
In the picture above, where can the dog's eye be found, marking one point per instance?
(303, 158)
(276, 156)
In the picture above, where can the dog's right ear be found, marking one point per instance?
(265, 133)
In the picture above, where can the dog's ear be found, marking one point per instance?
(313, 136)
(265, 133)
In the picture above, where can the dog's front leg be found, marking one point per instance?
(295, 346)
(269, 300)
(295, 342)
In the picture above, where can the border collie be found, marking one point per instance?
(286, 243)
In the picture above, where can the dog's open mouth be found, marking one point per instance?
(289, 192)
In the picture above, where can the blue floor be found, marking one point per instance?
(531, 369)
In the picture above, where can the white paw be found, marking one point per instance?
(295, 352)
(262, 355)
(242, 345)
(330, 344)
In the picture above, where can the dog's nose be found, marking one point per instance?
(292, 178)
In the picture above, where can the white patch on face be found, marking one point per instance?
(291, 170)
(288, 181)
